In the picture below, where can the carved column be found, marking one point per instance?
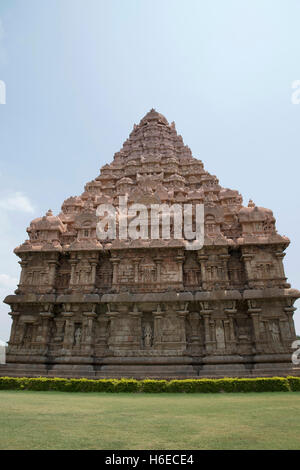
(202, 260)
(290, 311)
(157, 315)
(206, 312)
(254, 312)
(206, 317)
(23, 265)
(136, 269)
(136, 318)
(231, 329)
(73, 263)
(113, 317)
(46, 320)
(231, 311)
(93, 274)
(158, 262)
(52, 264)
(103, 334)
(280, 255)
(179, 261)
(115, 263)
(182, 318)
(247, 258)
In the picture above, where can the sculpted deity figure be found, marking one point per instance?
(220, 336)
(275, 332)
(148, 335)
(77, 336)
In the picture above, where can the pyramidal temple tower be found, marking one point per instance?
(144, 307)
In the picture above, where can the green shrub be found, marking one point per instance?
(227, 385)
(126, 385)
(153, 386)
(294, 383)
(192, 386)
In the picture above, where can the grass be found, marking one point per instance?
(60, 420)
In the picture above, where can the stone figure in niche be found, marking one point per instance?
(77, 336)
(148, 335)
(275, 332)
(220, 336)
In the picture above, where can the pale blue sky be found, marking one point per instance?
(79, 73)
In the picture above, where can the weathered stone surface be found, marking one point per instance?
(151, 308)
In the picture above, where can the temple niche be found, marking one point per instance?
(191, 272)
(150, 307)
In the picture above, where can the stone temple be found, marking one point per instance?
(150, 307)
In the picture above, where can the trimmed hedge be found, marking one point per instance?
(294, 383)
(227, 385)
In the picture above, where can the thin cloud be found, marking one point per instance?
(16, 202)
(7, 281)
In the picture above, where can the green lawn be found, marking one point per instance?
(58, 420)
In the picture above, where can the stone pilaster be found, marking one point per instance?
(23, 264)
(89, 330)
(113, 317)
(115, 263)
(206, 312)
(157, 315)
(247, 259)
(136, 321)
(73, 263)
(102, 337)
(179, 260)
(52, 267)
(254, 312)
(202, 258)
(280, 255)
(136, 262)
(290, 312)
(46, 318)
(182, 314)
(158, 262)
(224, 261)
(93, 274)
